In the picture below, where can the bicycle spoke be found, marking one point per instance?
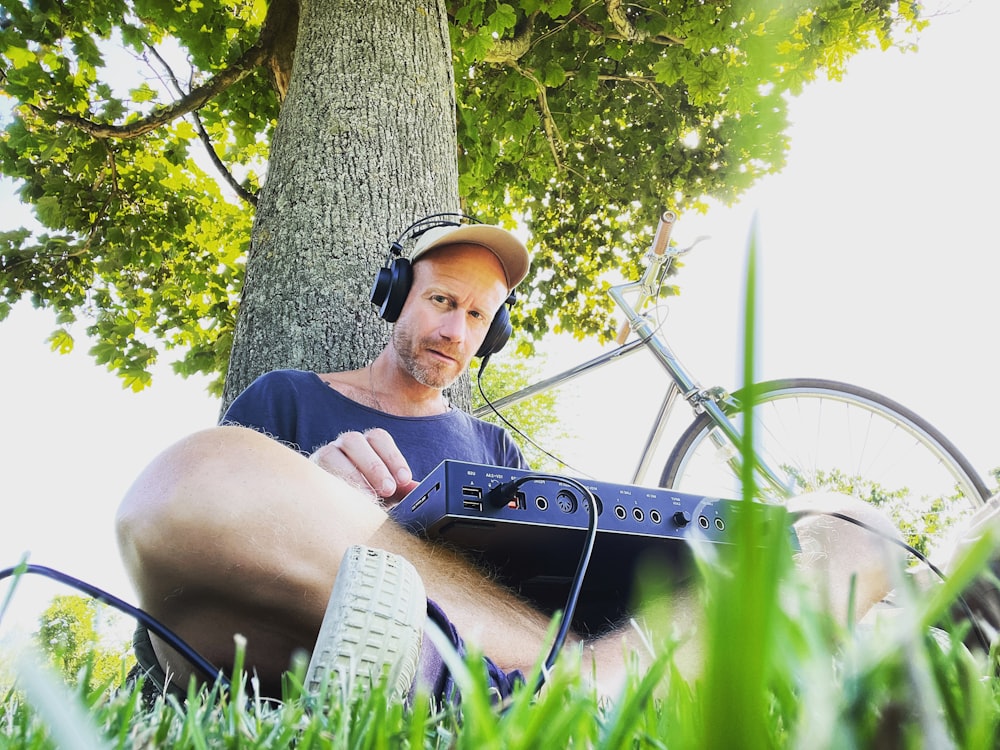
(833, 436)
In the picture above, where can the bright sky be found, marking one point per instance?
(880, 267)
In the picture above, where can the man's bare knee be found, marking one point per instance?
(230, 503)
(843, 558)
(170, 500)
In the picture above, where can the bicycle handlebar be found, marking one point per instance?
(662, 237)
(661, 241)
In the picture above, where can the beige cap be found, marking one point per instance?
(510, 251)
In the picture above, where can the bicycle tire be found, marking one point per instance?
(925, 465)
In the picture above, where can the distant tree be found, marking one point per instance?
(533, 423)
(69, 635)
(142, 131)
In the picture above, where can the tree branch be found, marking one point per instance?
(620, 20)
(193, 100)
(624, 29)
(641, 81)
(507, 51)
(548, 121)
(279, 35)
(241, 191)
(274, 48)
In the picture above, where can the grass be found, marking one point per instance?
(778, 672)
(786, 677)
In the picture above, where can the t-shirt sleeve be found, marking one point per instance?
(269, 405)
(511, 453)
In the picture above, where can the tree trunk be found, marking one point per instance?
(365, 144)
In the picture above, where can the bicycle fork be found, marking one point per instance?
(727, 437)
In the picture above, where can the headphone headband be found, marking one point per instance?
(442, 219)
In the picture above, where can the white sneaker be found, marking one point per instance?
(373, 626)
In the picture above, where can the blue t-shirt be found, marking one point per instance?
(299, 409)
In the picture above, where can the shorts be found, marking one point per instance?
(147, 665)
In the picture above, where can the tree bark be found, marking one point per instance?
(365, 144)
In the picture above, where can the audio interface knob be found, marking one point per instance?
(681, 518)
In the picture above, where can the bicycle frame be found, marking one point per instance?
(682, 382)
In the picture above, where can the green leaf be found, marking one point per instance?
(144, 93)
(19, 57)
(136, 380)
(553, 74)
(477, 45)
(103, 352)
(559, 8)
(501, 19)
(49, 211)
(61, 341)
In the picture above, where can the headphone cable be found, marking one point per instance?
(151, 623)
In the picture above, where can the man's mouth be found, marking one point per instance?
(438, 354)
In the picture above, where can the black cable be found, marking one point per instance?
(150, 622)
(499, 496)
(512, 427)
(660, 280)
(980, 635)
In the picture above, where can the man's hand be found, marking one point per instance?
(369, 460)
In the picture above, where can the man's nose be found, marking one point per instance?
(454, 326)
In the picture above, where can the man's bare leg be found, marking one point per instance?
(847, 569)
(230, 532)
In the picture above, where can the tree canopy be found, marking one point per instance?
(69, 634)
(139, 132)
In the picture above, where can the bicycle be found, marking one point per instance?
(809, 433)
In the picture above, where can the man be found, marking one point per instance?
(229, 531)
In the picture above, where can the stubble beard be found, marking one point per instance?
(437, 375)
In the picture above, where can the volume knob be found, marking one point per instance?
(681, 518)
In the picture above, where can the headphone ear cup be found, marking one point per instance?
(392, 284)
(498, 333)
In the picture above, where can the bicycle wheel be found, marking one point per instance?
(823, 434)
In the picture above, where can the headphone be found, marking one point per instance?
(393, 281)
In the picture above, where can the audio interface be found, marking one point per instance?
(532, 536)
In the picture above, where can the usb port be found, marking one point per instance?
(472, 498)
(517, 502)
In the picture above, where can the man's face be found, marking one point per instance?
(456, 292)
